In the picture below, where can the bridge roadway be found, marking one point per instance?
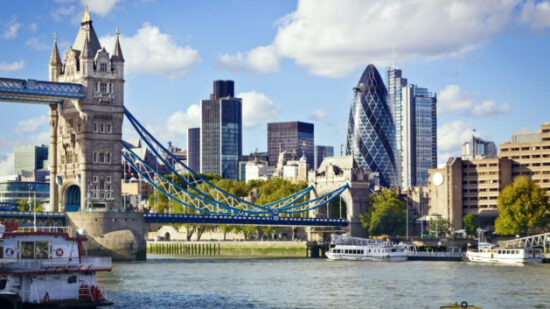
(26, 218)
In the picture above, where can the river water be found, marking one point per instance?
(320, 283)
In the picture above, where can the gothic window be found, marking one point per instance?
(103, 67)
(107, 157)
(108, 128)
(95, 161)
(103, 87)
(96, 87)
(96, 179)
(101, 128)
(108, 179)
(109, 88)
(95, 127)
(101, 157)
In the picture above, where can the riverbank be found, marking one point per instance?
(229, 249)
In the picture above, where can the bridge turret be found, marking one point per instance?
(117, 59)
(55, 61)
(86, 59)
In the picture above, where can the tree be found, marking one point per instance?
(23, 205)
(439, 226)
(470, 225)
(386, 215)
(521, 206)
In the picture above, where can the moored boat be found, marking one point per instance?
(47, 268)
(490, 253)
(344, 247)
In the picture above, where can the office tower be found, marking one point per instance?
(221, 131)
(395, 83)
(371, 132)
(194, 149)
(30, 158)
(477, 148)
(294, 136)
(418, 136)
(320, 153)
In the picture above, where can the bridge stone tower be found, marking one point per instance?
(332, 174)
(85, 135)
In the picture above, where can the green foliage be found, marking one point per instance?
(470, 225)
(521, 206)
(23, 205)
(386, 215)
(439, 226)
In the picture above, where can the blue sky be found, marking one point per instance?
(486, 60)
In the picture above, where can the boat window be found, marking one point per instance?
(41, 250)
(362, 252)
(27, 249)
(71, 279)
(3, 282)
(1, 252)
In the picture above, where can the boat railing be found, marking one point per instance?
(435, 254)
(96, 261)
(55, 229)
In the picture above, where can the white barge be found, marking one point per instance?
(489, 253)
(46, 268)
(344, 247)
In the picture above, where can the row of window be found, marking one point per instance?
(102, 157)
(102, 127)
(104, 87)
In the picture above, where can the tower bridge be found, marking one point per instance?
(85, 96)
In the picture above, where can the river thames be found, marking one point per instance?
(320, 283)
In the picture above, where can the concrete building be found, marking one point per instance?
(194, 149)
(321, 152)
(473, 186)
(256, 170)
(293, 136)
(221, 131)
(477, 148)
(417, 135)
(30, 158)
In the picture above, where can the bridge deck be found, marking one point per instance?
(38, 92)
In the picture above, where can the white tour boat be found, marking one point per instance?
(344, 247)
(46, 268)
(490, 253)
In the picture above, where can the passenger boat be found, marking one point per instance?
(46, 268)
(344, 247)
(490, 253)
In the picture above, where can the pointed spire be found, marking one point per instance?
(55, 59)
(117, 53)
(86, 16)
(86, 54)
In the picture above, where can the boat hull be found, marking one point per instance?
(478, 258)
(394, 258)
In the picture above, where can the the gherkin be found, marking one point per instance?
(371, 131)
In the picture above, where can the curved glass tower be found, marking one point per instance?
(371, 132)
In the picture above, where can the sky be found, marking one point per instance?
(487, 61)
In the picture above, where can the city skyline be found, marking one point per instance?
(480, 76)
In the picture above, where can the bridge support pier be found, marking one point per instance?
(116, 234)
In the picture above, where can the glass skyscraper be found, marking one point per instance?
(30, 158)
(371, 131)
(418, 136)
(194, 149)
(322, 152)
(221, 131)
(293, 136)
(395, 83)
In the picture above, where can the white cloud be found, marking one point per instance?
(453, 99)
(36, 44)
(31, 125)
(263, 59)
(10, 67)
(536, 15)
(12, 30)
(180, 121)
(151, 51)
(33, 27)
(62, 13)
(333, 38)
(101, 7)
(7, 165)
(450, 137)
(258, 109)
(318, 114)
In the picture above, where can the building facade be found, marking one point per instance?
(371, 131)
(194, 149)
(221, 131)
(85, 143)
(30, 158)
(322, 152)
(34, 192)
(417, 135)
(396, 82)
(294, 136)
(477, 148)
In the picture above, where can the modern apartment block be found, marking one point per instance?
(30, 158)
(477, 148)
(221, 131)
(473, 186)
(293, 136)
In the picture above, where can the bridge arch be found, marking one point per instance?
(72, 198)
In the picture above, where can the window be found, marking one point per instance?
(108, 179)
(96, 87)
(101, 128)
(27, 249)
(95, 127)
(103, 87)
(41, 250)
(108, 128)
(107, 158)
(101, 157)
(95, 179)
(103, 67)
